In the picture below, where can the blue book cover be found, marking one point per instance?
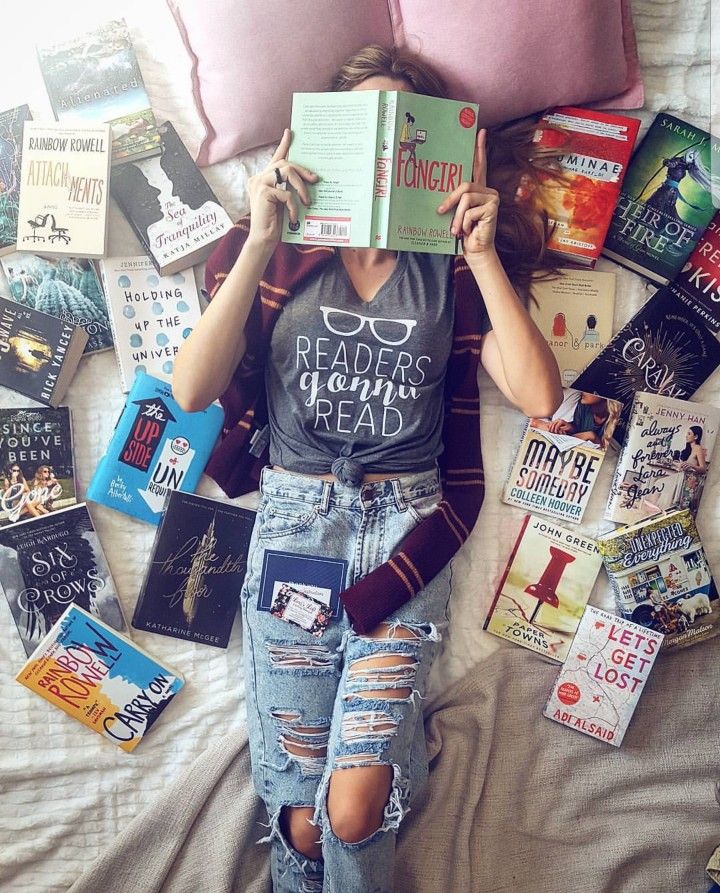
(318, 577)
(157, 447)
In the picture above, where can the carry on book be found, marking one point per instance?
(11, 142)
(598, 688)
(100, 678)
(386, 159)
(697, 285)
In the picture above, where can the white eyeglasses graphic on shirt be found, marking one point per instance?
(392, 332)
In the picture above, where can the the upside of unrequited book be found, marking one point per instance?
(665, 458)
(151, 315)
(386, 160)
(156, 447)
(545, 587)
(666, 200)
(599, 685)
(558, 460)
(95, 76)
(196, 570)
(100, 678)
(697, 285)
(661, 578)
(11, 141)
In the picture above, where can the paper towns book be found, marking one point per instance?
(597, 689)
(386, 160)
(151, 315)
(558, 460)
(100, 678)
(661, 579)
(11, 141)
(545, 587)
(665, 458)
(697, 285)
(666, 200)
(64, 189)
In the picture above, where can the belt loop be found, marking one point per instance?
(324, 506)
(400, 502)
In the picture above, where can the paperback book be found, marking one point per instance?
(697, 285)
(11, 141)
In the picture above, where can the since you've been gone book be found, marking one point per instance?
(386, 159)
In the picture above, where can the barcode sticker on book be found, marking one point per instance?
(327, 228)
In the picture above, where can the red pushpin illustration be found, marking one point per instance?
(545, 590)
(559, 329)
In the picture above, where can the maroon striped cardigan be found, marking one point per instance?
(431, 545)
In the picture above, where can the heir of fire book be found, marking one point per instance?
(386, 159)
(64, 189)
(598, 688)
(169, 204)
(697, 285)
(100, 678)
(661, 578)
(545, 587)
(558, 460)
(50, 561)
(37, 474)
(95, 76)
(38, 353)
(197, 567)
(666, 201)
(151, 315)
(11, 141)
(665, 458)
(156, 447)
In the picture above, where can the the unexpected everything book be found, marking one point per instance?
(697, 285)
(11, 141)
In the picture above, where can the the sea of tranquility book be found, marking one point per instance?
(39, 353)
(37, 471)
(697, 285)
(11, 141)
(48, 562)
(661, 578)
(169, 204)
(386, 159)
(594, 150)
(100, 678)
(544, 588)
(95, 76)
(665, 458)
(156, 447)
(196, 570)
(151, 315)
(599, 685)
(666, 201)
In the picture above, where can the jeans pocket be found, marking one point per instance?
(285, 517)
(423, 506)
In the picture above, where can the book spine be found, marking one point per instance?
(111, 316)
(508, 565)
(384, 161)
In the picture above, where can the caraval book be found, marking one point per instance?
(598, 688)
(666, 201)
(151, 315)
(11, 141)
(545, 587)
(665, 458)
(196, 570)
(38, 353)
(558, 460)
(64, 189)
(386, 159)
(156, 447)
(100, 678)
(697, 285)
(95, 76)
(169, 204)
(661, 578)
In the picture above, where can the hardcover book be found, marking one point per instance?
(64, 189)
(65, 287)
(11, 141)
(95, 76)
(574, 312)
(595, 149)
(38, 353)
(36, 463)
(661, 579)
(666, 201)
(156, 447)
(598, 688)
(151, 315)
(559, 459)
(665, 458)
(50, 561)
(697, 285)
(169, 204)
(386, 160)
(197, 567)
(100, 678)
(545, 587)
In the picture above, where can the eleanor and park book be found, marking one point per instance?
(100, 678)
(697, 285)
(386, 160)
(11, 142)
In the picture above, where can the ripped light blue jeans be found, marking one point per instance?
(307, 714)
